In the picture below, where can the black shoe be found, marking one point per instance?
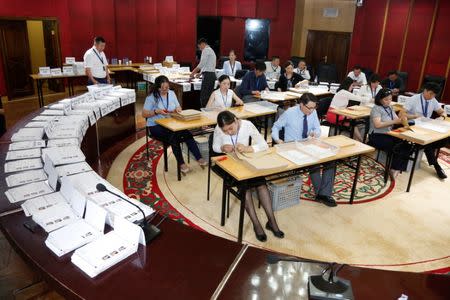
(260, 237)
(278, 234)
(440, 173)
(327, 200)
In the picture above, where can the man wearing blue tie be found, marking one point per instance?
(299, 123)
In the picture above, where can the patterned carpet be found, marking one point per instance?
(139, 182)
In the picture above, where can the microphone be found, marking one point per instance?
(150, 231)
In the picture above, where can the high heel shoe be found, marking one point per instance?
(260, 237)
(278, 233)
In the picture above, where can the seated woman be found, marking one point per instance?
(232, 134)
(223, 97)
(231, 66)
(159, 104)
(370, 90)
(382, 119)
(289, 78)
(340, 100)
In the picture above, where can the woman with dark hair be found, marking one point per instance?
(289, 78)
(160, 104)
(340, 100)
(370, 90)
(232, 65)
(382, 120)
(232, 134)
(223, 97)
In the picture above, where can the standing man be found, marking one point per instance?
(96, 64)
(207, 66)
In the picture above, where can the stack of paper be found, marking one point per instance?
(28, 191)
(54, 217)
(41, 203)
(28, 134)
(22, 154)
(63, 143)
(78, 233)
(273, 95)
(297, 157)
(26, 145)
(52, 112)
(86, 112)
(43, 118)
(23, 165)
(257, 108)
(71, 169)
(187, 115)
(25, 177)
(64, 155)
(36, 124)
(317, 151)
(109, 249)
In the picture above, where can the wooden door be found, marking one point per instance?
(52, 52)
(16, 58)
(330, 48)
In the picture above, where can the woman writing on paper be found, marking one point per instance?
(231, 66)
(223, 97)
(340, 100)
(232, 134)
(160, 104)
(289, 78)
(370, 90)
(382, 119)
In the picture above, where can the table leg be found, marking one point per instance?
(266, 125)
(352, 128)
(241, 213)
(165, 158)
(337, 125)
(416, 153)
(366, 129)
(224, 195)
(355, 180)
(40, 93)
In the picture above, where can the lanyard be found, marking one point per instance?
(166, 107)
(99, 57)
(424, 106)
(289, 81)
(232, 67)
(389, 112)
(224, 99)
(274, 69)
(391, 84)
(257, 83)
(373, 92)
(236, 140)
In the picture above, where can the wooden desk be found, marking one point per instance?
(418, 143)
(40, 80)
(244, 177)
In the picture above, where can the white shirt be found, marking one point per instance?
(366, 91)
(304, 73)
(361, 79)
(207, 60)
(246, 130)
(271, 72)
(93, 62)
(222, 101)
(416, 105)
(230, 70)
(340, 100)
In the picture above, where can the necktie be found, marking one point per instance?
(305, 127)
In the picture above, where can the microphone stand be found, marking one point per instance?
(319, 286)
(150, 230)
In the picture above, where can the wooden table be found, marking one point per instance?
(245, 178)
(418, 142)
(176, 125)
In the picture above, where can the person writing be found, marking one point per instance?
(253, 83)
(394, 83)
(231, 66)
(289, 78)
(160, 104)
(223, 97)
(96, 63)
(370, 90)
(232, 134)
(299, 123)
(207, 67)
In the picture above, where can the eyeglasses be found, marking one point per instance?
(309, 108)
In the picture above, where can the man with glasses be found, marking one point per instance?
(299, 123)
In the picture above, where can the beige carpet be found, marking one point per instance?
(402, 231)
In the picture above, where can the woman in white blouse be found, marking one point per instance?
(340, 100)
(370, 90)
(223, 97)
(231, 66)
(232, 135)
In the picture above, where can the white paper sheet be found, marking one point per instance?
(57, 216)
(26, 145)
(28, 134)
(297, 157)
(64, 155)
(63, 143)
(23, 154)
(23, 165)
(30, 207)
(28, 191)
(25, 177)
(72, 169)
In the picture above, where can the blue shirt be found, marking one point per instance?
(252, 83)
(292, 122)
(169, 104)
(417, 105)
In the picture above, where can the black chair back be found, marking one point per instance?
(240, 73)
(324, 105)
(368, 72)
(222, 59)
(404, 77)
(327, 73)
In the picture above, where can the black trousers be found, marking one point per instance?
(431, 151)
(401, 150)
(208, 81)
(99, 80)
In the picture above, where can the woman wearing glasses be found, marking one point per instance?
(232, 134)
(382, 120)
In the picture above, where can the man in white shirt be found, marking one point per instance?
(303, 70)
(207, 66)
(423, 105)
(96, 63)
(358, 76)
(273, 69)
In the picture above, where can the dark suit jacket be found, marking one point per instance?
(397, 84)
(283, 81)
